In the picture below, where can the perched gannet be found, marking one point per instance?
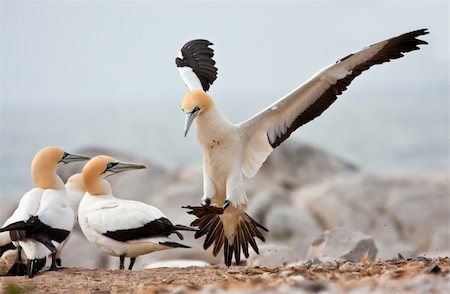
(75, 192)
(119, 227)
(234, 151)
(43, 218)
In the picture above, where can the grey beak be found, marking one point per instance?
(118, 167)
(190, 116)
(73, 157)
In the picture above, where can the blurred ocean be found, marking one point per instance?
(376, 133)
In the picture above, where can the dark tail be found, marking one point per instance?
(174, 244)
(210, 224)
(17, 226)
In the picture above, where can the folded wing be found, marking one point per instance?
(129, 220)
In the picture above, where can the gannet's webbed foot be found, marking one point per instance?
(34, 266)
(17, 269)
(201, 211)
(226, 204)
(206, 202)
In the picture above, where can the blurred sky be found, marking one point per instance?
(100, 73)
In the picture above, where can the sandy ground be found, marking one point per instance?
(409, 276)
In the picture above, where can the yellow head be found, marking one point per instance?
(195, 103)
(99, 168)
(43, 166)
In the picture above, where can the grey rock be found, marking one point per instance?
(345, 244)
(264, 201)
(293, 164)
(382, 205)
(294, 227)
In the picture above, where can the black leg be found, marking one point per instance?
(226, 204)
(58, 262)
(132, 260)
(30, 268)
(122, 261)
(53, 267)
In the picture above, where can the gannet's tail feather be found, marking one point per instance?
(243, 228)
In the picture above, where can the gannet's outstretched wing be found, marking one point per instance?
(269, 128)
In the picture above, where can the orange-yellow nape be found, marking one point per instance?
(196, 98)
(97, 166)
(92, 175)
(44, 165)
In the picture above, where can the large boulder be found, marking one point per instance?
(403, 212)
(294, 164)
(343, 244)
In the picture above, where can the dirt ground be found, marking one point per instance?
(419, 275)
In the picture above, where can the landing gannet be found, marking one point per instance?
(43, 218)
(232, 151)
(119, 227)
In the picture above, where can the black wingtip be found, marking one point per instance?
(198, 55)
(174, 244)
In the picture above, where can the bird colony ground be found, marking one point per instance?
(420, 275)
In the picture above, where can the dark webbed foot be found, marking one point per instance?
(34, 266)
(226, 204)
(17, 269)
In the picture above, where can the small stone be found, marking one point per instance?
(422, 258)
(434, 269)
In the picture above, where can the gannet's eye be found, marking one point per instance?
(196, 108)
(110, 165)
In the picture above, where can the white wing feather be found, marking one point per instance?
(121, 215)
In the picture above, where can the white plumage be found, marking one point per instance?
(43, 218)
(123, 228)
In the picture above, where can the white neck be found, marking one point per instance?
(212, 124)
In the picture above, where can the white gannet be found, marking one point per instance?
(234, 151)
(75, 192)
(43, 218)
(118, 227)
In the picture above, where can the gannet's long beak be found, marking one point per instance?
(118, 167)
(73, 157)
(190, 116)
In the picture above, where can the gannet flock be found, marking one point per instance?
(40, 226)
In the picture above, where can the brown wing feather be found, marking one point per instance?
(394, 49)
